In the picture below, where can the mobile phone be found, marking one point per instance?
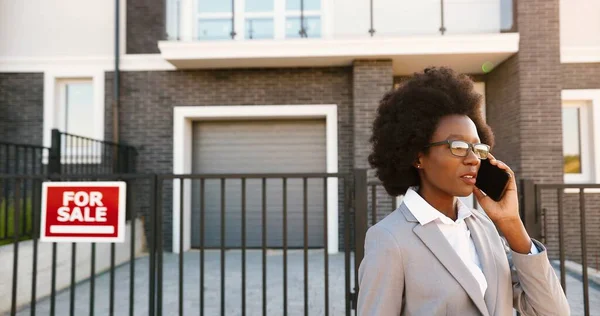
(492, 180)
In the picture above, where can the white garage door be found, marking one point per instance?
(282, 146)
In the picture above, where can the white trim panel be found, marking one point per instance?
(183, 118)
(580, 54)
(81, 229)
(367, 47)
(139, 62)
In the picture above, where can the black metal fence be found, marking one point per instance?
(157, 282)
(18, 159)
(22, 158)
(68, 154)
(563, 216)
(73, 154)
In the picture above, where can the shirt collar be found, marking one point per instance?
(425, 213)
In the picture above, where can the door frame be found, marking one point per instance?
(185, 116)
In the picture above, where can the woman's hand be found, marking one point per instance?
(507, 209)
(505, 213)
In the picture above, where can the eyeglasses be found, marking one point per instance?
(461, 148)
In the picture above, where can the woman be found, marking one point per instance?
(433, 255)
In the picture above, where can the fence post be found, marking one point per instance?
(121, 159)
(55, 153)
(360, 221)
(529, 214)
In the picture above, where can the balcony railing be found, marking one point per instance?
(214, 20)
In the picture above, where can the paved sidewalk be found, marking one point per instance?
(233, 286)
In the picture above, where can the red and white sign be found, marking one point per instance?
(83, 212)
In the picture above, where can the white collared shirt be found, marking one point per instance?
(456, 232)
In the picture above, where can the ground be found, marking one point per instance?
(212, 300)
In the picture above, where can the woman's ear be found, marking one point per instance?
(417, 162)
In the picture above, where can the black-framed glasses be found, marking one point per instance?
(461, 148)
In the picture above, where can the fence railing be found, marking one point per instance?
(73, 154)
(22, 158)
(306, 19)
(239, 220)
(68, 154)
(561, 216)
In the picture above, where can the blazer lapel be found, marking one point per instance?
(486, 257)
(433, 238)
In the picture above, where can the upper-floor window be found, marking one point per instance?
(257, 19)
(302, 18)
(214, 19)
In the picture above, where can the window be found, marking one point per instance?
(577, 142)
(214, 19)
(312, 18)
(75, 113)
(258, 19)
(76, 107)
(259, 15)
(74, 103)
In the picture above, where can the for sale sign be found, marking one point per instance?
(83, 212)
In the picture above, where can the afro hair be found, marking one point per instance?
(408, 116)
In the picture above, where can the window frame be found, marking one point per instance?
(586, 147)
(589, 128)
(54, 83)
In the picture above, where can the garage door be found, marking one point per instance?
(282, 146)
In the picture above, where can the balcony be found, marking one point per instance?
(465, 34)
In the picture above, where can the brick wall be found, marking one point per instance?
(581, 76)
(148, 99)
(145, 26)
(503, 111)
(523, 96)
(524, 109)
(540, 90)
(22, 107)
(371, 80)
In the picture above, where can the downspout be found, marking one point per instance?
(116, 152)
(116, 79)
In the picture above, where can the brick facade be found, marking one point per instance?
(540, 91)
(22, 107)
(371, 80)
(524, 108)
(148, 99)
(580, 76)
(145, 26)
(503, 111)
(523, 97)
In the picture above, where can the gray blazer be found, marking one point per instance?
(410, 269)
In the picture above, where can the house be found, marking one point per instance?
(291, 85)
